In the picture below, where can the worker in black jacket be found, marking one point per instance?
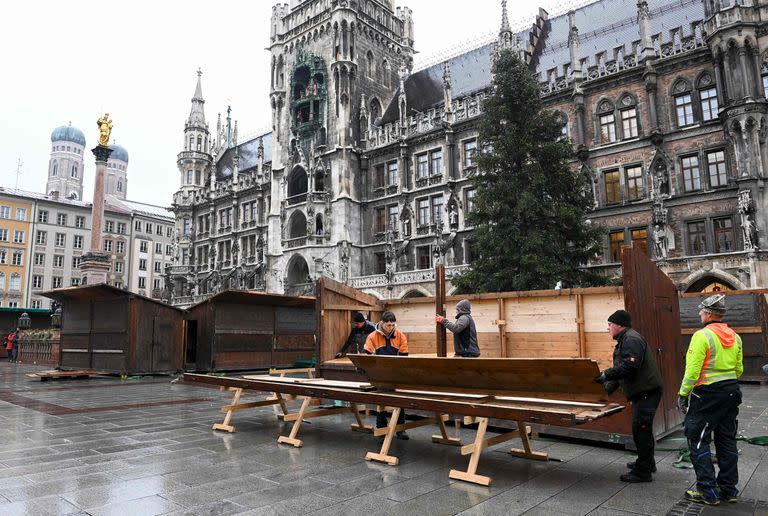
(360, 331)
(635, 371)
(464, 330)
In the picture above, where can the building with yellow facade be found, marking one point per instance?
(15, 236)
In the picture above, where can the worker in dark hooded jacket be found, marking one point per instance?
(464, 330)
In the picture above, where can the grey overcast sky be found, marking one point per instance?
(69, 61)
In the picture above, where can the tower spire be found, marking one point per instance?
(197, 113)
(504, 18)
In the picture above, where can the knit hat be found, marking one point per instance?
(714, 304)
(358, 317)
(621, 317)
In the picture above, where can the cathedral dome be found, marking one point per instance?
(118, 153)
(67, 133)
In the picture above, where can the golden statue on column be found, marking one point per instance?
(105, 128)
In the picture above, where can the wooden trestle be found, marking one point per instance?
(434, 406)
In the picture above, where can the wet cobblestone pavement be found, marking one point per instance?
(106, 446)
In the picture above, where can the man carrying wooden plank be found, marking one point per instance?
(710, 397)
(361, 328)
(464, 330)
(635, 370)
(388, 340)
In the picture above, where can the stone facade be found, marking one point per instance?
(366, 174)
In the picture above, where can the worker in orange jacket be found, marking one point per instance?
(388, 340)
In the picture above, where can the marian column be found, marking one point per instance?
(95, 263)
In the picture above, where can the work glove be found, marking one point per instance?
(682, 403)
(601, 379)
(439, 319)
(611, 386)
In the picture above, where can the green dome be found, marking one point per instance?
(118, 152)
(67, 133)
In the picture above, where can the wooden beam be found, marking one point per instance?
(440, 309)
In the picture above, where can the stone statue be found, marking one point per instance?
(660, 242)
(105, 129)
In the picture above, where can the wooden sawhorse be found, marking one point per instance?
(481, 442)
(305, 413)
(389, 432)
(275, 399)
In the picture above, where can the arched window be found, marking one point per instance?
(606, 118)
(387, 79)
(297, 182)
(707, 97)
(55, 170)
(15, 284)
(629, 119)
(297, 227)
(375, 110)
(681, 92)
(371, 64)
(74, 170)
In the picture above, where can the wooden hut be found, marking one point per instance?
(241, 330)
(747, 313)
(110, 330)
(568, 323)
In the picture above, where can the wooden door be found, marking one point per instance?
(651, 298)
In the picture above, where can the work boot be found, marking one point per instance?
(633, 465)
(728, 494)
(699, 497)
(634, 478)
(402, 436)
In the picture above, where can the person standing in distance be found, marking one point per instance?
(464, 330)
(710, 397)
(635, 371)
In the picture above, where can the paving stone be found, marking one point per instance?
(149, 506)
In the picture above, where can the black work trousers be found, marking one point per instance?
(644, 407)
(713, 410)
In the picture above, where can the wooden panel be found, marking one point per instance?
(598, 307)
(237, 316)
(334, 325)
(295, 342)
(555, 378)
(541, 314)
(651, 298)
(226, 342)
(292, 320)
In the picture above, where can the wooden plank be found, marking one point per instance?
(566, 379)
(499, 408)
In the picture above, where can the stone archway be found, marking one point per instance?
(298, 280)
(705, 281)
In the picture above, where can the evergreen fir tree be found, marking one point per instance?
(530, 205)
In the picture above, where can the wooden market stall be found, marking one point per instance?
(568, 323)
(241, 330)
(110, 330)
(747, 313)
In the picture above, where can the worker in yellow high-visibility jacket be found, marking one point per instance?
(710, 397)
